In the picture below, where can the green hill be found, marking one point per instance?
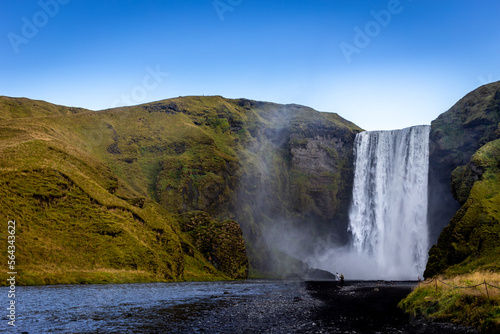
(81, 187)
(105, 196)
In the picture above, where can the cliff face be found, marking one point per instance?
(161, 190)
(471, 241)
(464, 153)
(295, 187)
(455, 136)
(323, 153)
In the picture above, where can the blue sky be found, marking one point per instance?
(381, 64)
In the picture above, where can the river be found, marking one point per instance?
(253, 306)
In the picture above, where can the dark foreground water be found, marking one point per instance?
(217, 307)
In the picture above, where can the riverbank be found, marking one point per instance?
(371, 307)
(59, 276)
(471, 300)
(253, 306)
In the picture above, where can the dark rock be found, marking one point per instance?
(319, 275)
(114, 148)
(168, 108)
(128, 160)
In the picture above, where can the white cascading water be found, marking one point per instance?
(388, 215)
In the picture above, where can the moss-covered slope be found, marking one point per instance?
(455, 136)
(464, 149)
(102, 196)
(471, 241)
(83, 189)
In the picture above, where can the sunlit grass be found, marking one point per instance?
(78, 207)
(474, 304)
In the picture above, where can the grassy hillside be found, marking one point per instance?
(83, 190)
(102, 196)
(22, 107)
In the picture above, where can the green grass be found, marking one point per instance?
(86, 214)
(473, 307)
(59, 226)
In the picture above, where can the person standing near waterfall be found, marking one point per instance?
(342, 279)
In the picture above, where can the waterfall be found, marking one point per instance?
(388, 215)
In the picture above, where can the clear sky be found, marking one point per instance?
(381, 64)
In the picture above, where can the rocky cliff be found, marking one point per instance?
(463, 183)
(296, 184)
(471, 241)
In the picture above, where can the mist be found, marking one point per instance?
(300, 208)
(286, 203)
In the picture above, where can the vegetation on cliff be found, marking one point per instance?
(468, 251)
(295, 186)
(221, 243)
(464, 144)
(465, 150)
(472, 239)
(455, 136)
